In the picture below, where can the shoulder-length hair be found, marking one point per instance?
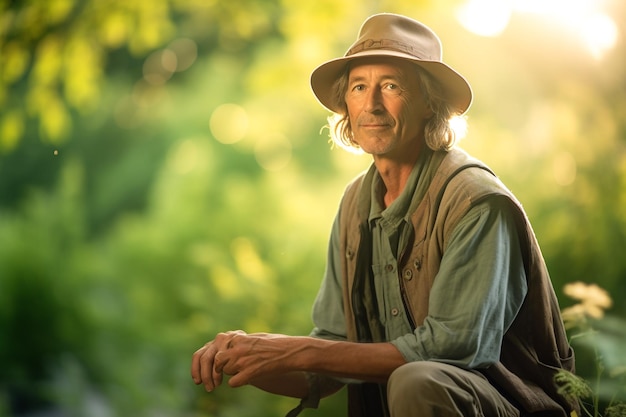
(439, 134)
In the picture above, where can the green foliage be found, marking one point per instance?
(604, 393)
(572, 386)
(163, 178)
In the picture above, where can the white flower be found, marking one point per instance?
(593, 300)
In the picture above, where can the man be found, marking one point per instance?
(436, 300)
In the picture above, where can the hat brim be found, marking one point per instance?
(456, 89)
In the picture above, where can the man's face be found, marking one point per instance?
(386, 108)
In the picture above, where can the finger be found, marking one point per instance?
(207, 370)
(202, 365)
(237, 380)
(217, 368)
(231, 362)
(196, 365)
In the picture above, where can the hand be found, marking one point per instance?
(243, 356)
(205, 361)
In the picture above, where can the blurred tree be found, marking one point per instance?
(163, 178)
(172, 233)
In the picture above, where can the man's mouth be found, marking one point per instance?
(373, 124)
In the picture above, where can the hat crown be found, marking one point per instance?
(387, 31)
(390, 35)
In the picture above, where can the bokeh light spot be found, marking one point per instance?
(229, 123)
(154, 70)
(186, 52)
(169, 60)
(273, 153)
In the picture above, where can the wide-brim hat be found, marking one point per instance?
(392, 35)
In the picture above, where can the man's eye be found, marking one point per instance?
(359, 87)
(394, 89)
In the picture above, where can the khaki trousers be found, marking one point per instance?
(433, 389)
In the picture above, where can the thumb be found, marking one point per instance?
(238, 380)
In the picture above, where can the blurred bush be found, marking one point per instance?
(163, 177)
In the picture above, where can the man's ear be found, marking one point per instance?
(430, 113)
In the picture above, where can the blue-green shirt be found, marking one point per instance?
(475, 296)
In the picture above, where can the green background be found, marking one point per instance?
(165, 175)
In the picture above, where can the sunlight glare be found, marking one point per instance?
(600, 34)
(459, 126)
(563, 8)
(597, 31)
(485, 17)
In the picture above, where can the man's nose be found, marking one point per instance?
(374, 101)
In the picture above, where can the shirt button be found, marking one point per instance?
(389, 267)
(395, 311)
(408, 274)
(418, 264)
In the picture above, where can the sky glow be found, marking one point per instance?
(585, 19)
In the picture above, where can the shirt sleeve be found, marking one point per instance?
(476, 294)
(328, 314)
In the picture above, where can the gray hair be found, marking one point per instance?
(439, 134)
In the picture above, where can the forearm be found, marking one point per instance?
(371, 362)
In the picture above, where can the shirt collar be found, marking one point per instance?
(412, 194)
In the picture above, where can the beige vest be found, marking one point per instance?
(535, 346)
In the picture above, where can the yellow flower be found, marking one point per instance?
(574, 316)
(593, 300)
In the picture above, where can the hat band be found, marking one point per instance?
(389, 44)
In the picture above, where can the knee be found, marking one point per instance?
(414, 377)
(426, 389)
(433, 389)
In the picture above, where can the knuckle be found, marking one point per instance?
(198, 353)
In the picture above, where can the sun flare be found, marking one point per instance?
(585, 19)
